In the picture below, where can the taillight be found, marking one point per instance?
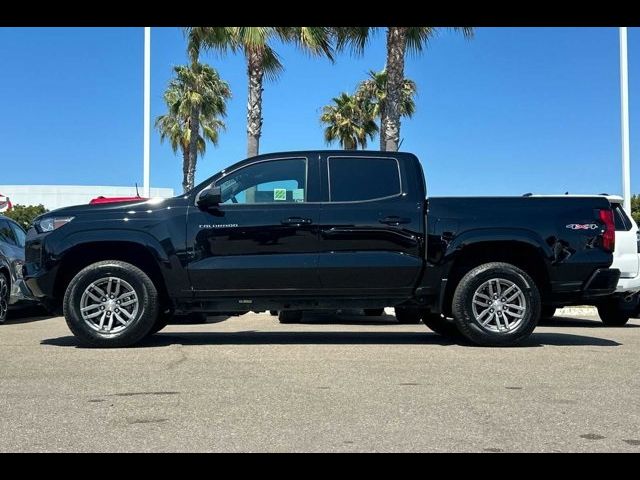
(609, 235)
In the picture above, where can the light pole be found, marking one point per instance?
(624, 111)
(146, 187)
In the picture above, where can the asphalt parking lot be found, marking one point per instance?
(335, 383)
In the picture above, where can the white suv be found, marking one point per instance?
(616, 309)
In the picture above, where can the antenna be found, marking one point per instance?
(137, 194)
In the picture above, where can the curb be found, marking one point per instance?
(577, 310)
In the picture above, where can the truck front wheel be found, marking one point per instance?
(111, 304)
(496, 304)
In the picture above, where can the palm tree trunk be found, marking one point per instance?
(185, 168)
(194, 124)
(396, 46)
(383, 138)
(254, 105)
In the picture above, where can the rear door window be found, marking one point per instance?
(357, 179)
(6, 233)
(622, 222)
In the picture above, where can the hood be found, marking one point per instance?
(143, 204)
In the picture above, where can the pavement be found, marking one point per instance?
(332, 384)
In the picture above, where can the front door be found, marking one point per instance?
(263, 238)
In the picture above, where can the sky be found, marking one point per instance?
(513, 110)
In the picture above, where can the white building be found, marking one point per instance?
(58, 196)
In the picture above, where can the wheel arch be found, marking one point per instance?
(522, 253)
(84, 254)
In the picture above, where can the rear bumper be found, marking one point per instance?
(628, 285)
(603, 281)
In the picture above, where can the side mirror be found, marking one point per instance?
(210, 197)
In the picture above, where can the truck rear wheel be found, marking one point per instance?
(612, 313)
(290, 316)
(111, 304)
(496, 304)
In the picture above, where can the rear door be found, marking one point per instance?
(371, 226)
(625, 255)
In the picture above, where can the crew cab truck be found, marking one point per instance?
(321, 230)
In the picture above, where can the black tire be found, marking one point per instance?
(162, 321)
(440, 325)
(547, 312)
(462, 305)
(136, 329)
(407, 316)
(5, 292)
(612, 314)
(290, 316)
(374, 312)
(273, 313)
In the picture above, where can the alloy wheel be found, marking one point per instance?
(499, 305)
(109, 305)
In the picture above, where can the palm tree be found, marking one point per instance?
(374, 90)
(400, 40)
(350, 121)
(196, 99)
(262, 60)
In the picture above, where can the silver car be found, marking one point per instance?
(13, 290)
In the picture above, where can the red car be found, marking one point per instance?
(102, 199)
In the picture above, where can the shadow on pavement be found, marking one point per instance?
(335, 338)
(27, 314)
(577, 322)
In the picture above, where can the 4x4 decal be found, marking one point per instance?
(582, 226)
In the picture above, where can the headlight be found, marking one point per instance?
(49, 224)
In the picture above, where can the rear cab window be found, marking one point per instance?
(359, 179)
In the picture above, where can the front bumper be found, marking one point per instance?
(20, 293)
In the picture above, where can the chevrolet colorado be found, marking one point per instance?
(321, 230)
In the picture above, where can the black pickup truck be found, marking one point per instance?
(321, 230)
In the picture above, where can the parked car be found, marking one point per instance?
(322, 230)
(616, 309)
(13, 290)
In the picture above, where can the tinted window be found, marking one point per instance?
(19, 234)
(621, 220)
(273, 181)
(361, 178)
(6, 233)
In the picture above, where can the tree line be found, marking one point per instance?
(196, 96)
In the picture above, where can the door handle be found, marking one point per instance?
(394, 220)
(298, 221)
